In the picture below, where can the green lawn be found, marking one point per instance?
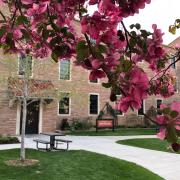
(150, 143)
(72, 165)
(117, 132)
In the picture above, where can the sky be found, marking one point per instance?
(160, 12)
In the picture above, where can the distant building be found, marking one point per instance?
(78, 97)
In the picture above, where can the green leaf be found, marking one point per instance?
(133, 33)
(81, 45)
(174, 114)
(138, 26)
(166, 110)
(70, 35)
(106, 85)
(9, 40)
(45, 33)
(64, 30)
(54, 56)
(82, 54)
(22, 20)
(98, 55)
(25, 34)
(102, 48)
(132, 26)
(132, 42)
(172, 29)
(55, 41)
(2, 31)
(82, 51)
(83, 10)
(125, 65)
(171, 134)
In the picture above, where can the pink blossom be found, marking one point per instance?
(162, 133)
(161, 120)
(96, 63)
(27, 1)
(127, 102)
(175, 106)
(96, 74)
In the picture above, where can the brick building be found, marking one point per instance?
(78, 97)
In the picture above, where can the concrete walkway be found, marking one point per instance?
(167, 165)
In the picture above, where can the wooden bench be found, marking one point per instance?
(61, 141)
(42, 142)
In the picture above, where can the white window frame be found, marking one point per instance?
(70, 71)
(97, 105)
(143, 108)
(31, 67)
(118, 97)
(69, 106)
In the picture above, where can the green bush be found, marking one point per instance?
(64, 125)
(8, 140)
(78, 124)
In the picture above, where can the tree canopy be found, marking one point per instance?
(45, 28)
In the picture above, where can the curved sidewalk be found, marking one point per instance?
(167, 165)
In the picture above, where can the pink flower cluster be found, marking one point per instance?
(135, 86)
(163, 86)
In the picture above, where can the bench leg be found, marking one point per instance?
(47, 149)
(67, 146)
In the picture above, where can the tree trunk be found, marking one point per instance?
(22, 153)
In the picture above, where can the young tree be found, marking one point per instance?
(22, 87)
(43, 28)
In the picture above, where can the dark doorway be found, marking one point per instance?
(32, 118)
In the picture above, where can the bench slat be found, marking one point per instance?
(63, 140)
(41, 141)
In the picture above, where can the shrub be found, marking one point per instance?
(64, 125)
(8, 140)
(78, 124)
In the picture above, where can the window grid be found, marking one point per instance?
(159, 102)
(118, 112)
(65, 69)
(93, 106)
(64, 105)
(141, 110)
(24, 65)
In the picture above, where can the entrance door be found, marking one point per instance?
(32, 118)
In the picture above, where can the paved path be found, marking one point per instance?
(167, 165)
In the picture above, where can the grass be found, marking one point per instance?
(72, 165)
(150, 143)
(117, 132)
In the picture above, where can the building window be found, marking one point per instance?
(64, 104)
(93, 106)
(159, 102)
(25, 65)
(173, 62)
(141, 110)
(65, 69)
(118, 112)
(93, 81)
(175, 85)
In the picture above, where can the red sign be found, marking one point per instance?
(105, 123)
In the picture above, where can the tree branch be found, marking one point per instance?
(165, 70)
(3, 16)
